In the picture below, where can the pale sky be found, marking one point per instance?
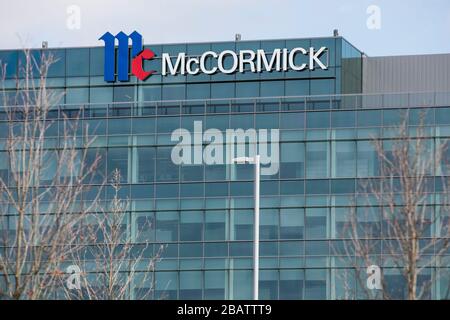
(406, 26)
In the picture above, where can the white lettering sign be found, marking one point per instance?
(229, 62)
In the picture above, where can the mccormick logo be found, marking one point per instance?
(137, 56)
(209, 62)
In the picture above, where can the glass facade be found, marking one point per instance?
(203, 214)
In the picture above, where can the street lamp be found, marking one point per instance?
(256, 161)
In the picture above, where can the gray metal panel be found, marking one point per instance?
(421, 73)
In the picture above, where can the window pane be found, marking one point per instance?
(167, 226)
(292, 224)
(318, 119)
(9, 58)
(166, 170)
(146, 164)
(215, 284)
(317, 160)
(343, 119)
(316, 284)
(191, 225)
(118, 159)
(344, 159)
(316, 223)
(166, 285)
(292, 160)
(242, 284)
(242, 228)
(269, 224)
(291, 284)
(77, 95)
(268, 285)
(215, 225)
(368, 164)
(77, 65)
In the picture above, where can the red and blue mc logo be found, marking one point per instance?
(138, 55)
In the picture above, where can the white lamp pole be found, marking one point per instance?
(256, 162)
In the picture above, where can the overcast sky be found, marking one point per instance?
(404, 27)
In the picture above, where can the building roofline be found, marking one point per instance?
(184, 43)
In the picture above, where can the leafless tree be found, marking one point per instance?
(397, 227)
(42, 181)
(119, 268)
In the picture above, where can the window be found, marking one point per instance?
(267, 121)
(215, 225)
(247, 90)
(96, 61)
(241, 249)
(100, 96)
(322, 87)
(316, 223)
(191, 250)
(166, 285)
(268, 285)
(242, 284)
(124, 94)
(198, 91)
(118, 159)
(77, 95)
(292, 160)
(145, 227)
(315, 284)
(191, 285)
(292, 224)
(99, 174)
(167, 124)
(318, 120)
(291, 284)
(274, 90)
(344, 159)
(369, 118)
(292, 120)
(9, 58)
(343, 119)
(167, 190)
(216, 249)
(269, 224)
(215, 283)
(317, 160)
(368, 163)
(167, 226)
(143, 125)
(242, 228)
(145, 164)
(149, 93)
(77, 62)
(58, 67)
(166, 170)
(119, 126)
(4, 167)
(222, 90)
(192, 190)
(297, 88)
(191, 226)
(174, 92)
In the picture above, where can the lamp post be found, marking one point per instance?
(256, 162)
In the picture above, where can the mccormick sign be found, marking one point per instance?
(282, 59)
